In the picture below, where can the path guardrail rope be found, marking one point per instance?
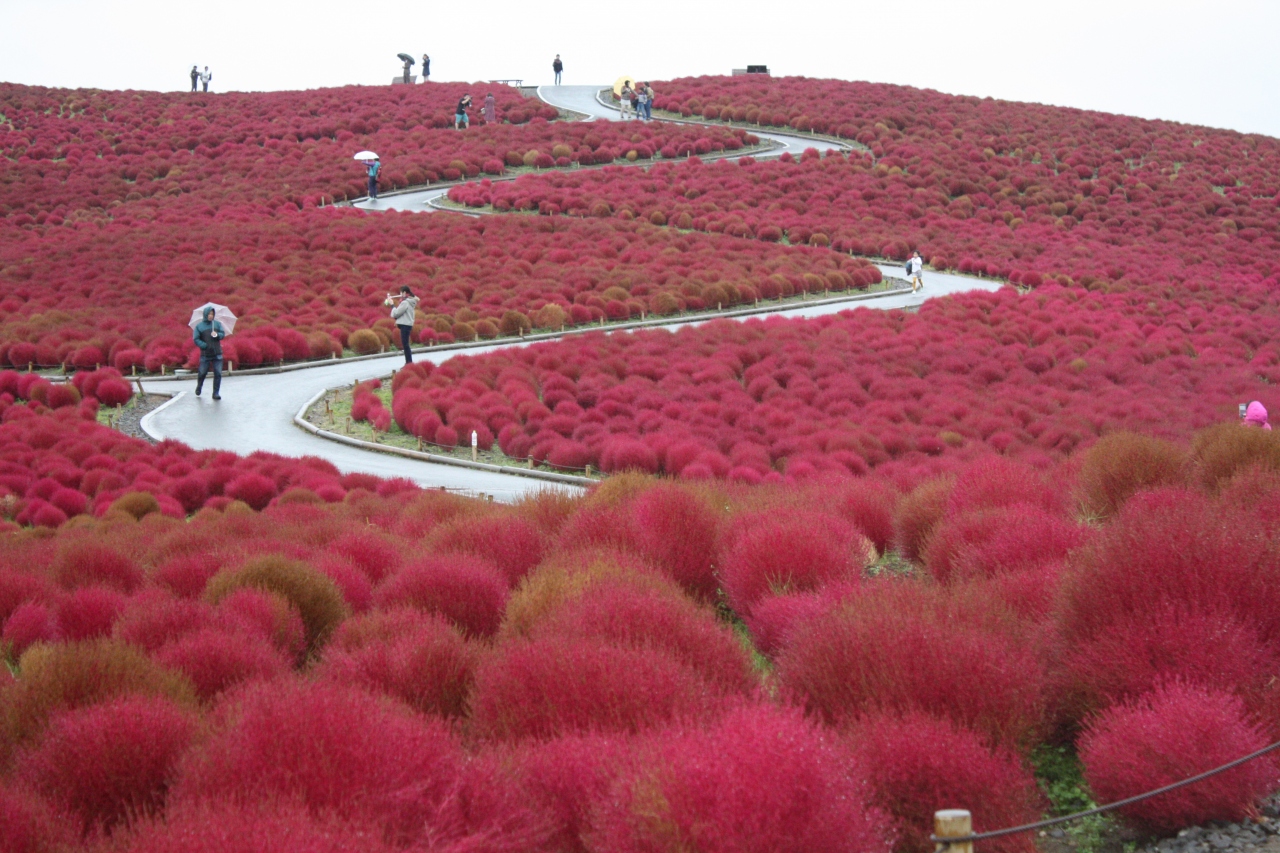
(953, 828)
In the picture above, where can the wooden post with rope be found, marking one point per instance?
(952, 823)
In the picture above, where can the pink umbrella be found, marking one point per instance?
(221, 313)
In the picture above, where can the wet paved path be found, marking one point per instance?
(256, 412)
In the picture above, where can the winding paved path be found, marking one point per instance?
(256, 412)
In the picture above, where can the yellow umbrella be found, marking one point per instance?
(620, 82)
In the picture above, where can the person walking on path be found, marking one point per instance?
(557, 66)
(624, 100)
(460, 117)
(490, 109)
(195, 77)
(642, 102)
(206, 78)
(648, 102)
(403, 315)
(913, 269)
(208, 335)
(1255, 415)
(373, 167)
(426, 67)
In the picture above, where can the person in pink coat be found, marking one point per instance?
(1255, 415)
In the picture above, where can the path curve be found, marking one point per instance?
(256, 412)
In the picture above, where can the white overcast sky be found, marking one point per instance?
(1212, 63)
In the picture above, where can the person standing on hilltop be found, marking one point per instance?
(426, 67)
(557, 66)
(206, 78)
(408, 76)
(490, 109)
(195, 77)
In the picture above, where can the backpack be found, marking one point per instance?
(908, 266)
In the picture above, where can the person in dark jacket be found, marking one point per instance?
(208, 335)
(426, 67)
(558, 67)
(195, 77)
(372, 167)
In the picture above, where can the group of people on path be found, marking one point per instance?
(200, 77)
(636, 101)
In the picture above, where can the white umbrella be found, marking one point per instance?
(221, 313)
(365, 155)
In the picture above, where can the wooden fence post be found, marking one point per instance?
(953, 823)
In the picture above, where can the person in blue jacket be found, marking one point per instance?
(374, 166)
(208, 335)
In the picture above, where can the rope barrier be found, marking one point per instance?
(950, 841)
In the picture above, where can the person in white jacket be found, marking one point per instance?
(917, 264)
(402, 313)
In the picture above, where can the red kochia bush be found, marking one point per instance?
(29, 825)
(658, 619)
(761, 779)
(423, 661)
(1004, 539)
(468, 592)
(1173, 548)
(891, 648)
(113, 762)
(566, 777)
(350, 756)
(676, 530)
(1176, 731)
(777, 553)
(546, 688)
(511, 543)
(227, 827)
(919, 764)
(215, 660)
(1131, 657)
(30, 623)
(254, 489)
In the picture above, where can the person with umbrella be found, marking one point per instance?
(408, 64)
(208, 333)
(372, 166)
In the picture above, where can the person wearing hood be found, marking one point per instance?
(208, 335)
(1255, 415)
(403, 315)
